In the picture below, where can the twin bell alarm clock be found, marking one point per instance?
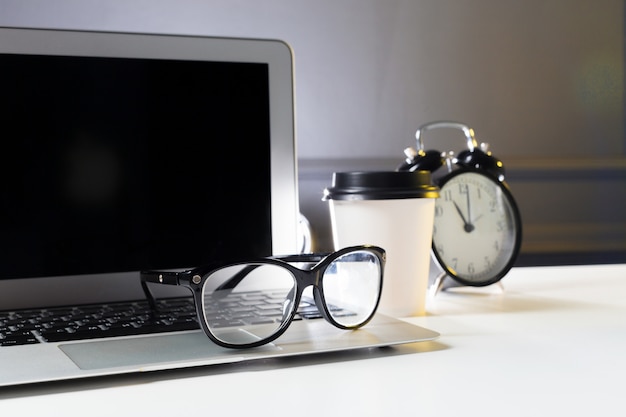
(477, 227)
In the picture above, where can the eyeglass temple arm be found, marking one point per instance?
(173, 278)
(233, 281)
(303, 257)
(169, 278)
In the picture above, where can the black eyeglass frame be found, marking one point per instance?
(195, 278)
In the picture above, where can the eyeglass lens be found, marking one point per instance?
(243, 304)
(351, 286)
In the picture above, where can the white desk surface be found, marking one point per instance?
(552, 344)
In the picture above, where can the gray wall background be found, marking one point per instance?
(541, 80)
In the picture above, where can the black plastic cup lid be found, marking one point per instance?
(381, 185)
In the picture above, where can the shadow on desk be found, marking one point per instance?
(499, 298)
(261, 365)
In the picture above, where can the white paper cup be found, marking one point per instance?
(393, 210)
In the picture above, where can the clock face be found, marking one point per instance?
(477, 230)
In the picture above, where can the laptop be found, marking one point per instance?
(125, 152)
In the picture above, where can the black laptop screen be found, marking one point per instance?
(115, 164)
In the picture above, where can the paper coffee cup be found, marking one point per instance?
(393, 210)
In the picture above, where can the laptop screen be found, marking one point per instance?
(122, 164)
(125, 152)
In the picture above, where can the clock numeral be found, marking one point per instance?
(487, 262)
(438, 211)
(447, 195)
(470, 268)
(500, 226)
(454, 262)
(493, 205)
(496, 246)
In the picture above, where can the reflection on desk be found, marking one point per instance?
(552, 343)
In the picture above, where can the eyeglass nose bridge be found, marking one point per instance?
(318, 277)
(310, 278)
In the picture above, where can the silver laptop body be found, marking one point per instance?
(70, 94)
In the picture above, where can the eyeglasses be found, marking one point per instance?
(251, 303)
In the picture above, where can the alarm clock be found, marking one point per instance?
(477, 229)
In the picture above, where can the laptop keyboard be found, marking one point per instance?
(63, 324)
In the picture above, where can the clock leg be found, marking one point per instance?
(438, 284)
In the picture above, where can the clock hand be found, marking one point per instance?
(468, 227)
(467, 198)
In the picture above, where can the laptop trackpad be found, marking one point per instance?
(191, 346)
